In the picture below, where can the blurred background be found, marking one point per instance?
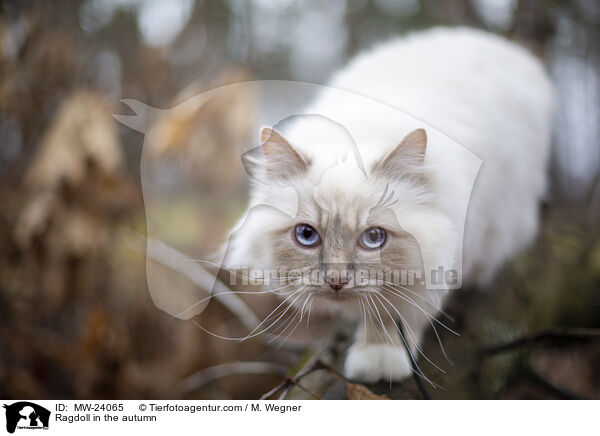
(76, 318)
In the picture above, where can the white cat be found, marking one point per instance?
(398, 202)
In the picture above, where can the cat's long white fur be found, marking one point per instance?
(489, 95)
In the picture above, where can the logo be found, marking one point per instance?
(276, 104)
(26, 415)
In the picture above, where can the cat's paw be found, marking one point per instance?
(374, 362)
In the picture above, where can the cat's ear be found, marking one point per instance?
(406, 156)
(281, 159)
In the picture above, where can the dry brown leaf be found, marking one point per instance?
(207, 131)
(355, 391)
(83, 132)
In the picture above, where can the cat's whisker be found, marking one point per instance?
(251, 334)
(416, 294)
(279, 320)
(225, 338)
(292, 316)
(413, 337)
(275, 334)
(209, 297)
(393, 321)
(372, 307)
(429, 315)
(371, 321)
(410, 331)
(299, 321)
(298, 311)
(423, 298)
(364, 314)
(274, 310)
(304, 305)
(312, 299)
(416, 368)
(383, 327)
(266, 329)
(399, 294)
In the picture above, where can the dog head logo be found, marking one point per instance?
(26, 415)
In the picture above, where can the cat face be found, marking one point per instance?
(341, 243)
(351, 233)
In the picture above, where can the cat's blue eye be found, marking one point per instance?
(372, 238)
(307, 236)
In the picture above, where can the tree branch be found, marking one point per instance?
(543, 338)
(207, 282)
(212, 373)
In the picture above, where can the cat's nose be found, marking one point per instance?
(336, 283)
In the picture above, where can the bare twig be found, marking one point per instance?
(285, 387)
(287, 384)
(543, 338)
(315, 364)
(207, 375)
(319, 364)
(536, 378)
(413, 366)
(295, 382)
(177, 261)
